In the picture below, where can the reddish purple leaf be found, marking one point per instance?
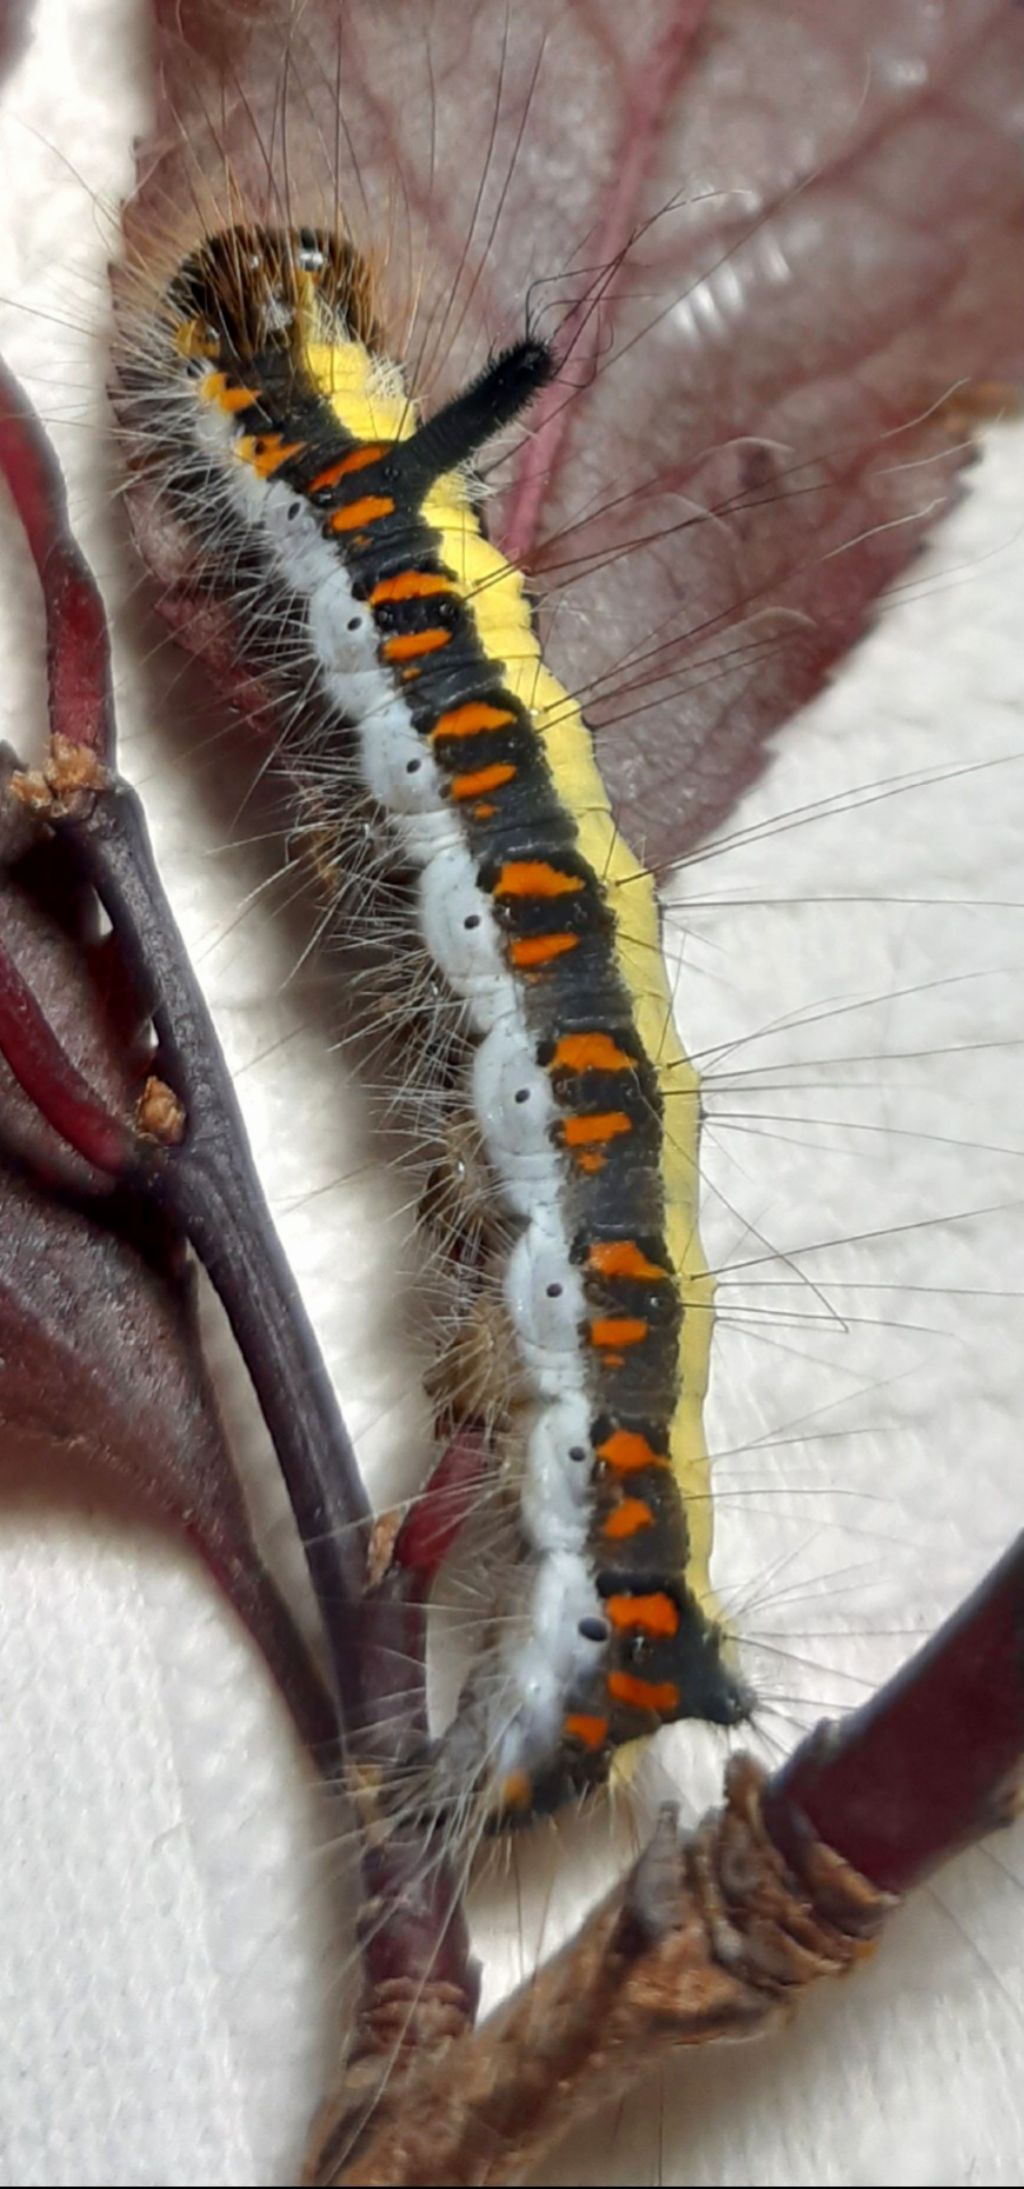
(100, 1359)
(13, 30)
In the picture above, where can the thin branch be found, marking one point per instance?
(189, 1153)
(186, 1150)
(77, 644)
(933, 1761)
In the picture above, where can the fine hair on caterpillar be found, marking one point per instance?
(842, 1067)
(479, 777)
(555, 1038)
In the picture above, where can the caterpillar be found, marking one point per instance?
(243, 1782)
(536, 1053)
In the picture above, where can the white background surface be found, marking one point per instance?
(168, 1971)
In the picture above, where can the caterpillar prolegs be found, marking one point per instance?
(449, 785)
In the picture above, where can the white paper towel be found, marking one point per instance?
(169, 1964)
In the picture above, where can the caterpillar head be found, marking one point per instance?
(249, 291)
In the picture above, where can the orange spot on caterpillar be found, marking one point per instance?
(591, 1732)
(627, 1451)
(621, 1258)
(365, 511)
(469, 720)
(661, 1696)
(193, 339)
(614, 1360)
(265, 451)
(410, 585)
(238, 399)
(484, 813)
(212, 386)
(590, 1160)
(618, 1330)
(356, 460)
(589, 1053)
(409, 676)
(529, 950)
(580, 1132)
(627, 1518)
(516, 1790)
(534, 878)
(414, 642)
(269, 452)
(654, 1614)
(492, 778)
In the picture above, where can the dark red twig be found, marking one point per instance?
(186, 1149)
(934, 1760)
(209, 1186)
(208, 1183)
(77, 643)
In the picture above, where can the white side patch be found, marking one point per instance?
(461, 935)
(549, 1660)
(544, 1293)
(556, 1493)
(515, 1108)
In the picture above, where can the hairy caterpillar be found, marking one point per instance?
(454, 804)
(776, 971)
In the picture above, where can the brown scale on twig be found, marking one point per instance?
(709, 1938)
(716, 1935)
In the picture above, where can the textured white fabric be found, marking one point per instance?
(169, 1963)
